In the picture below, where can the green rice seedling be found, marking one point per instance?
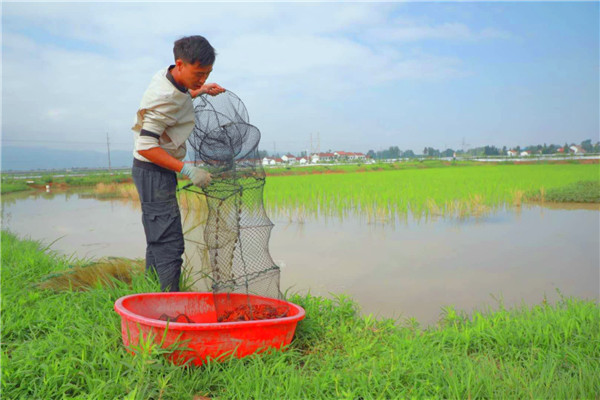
(447, 191)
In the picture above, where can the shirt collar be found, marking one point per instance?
(182, 89)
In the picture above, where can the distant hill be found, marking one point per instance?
(33, 158)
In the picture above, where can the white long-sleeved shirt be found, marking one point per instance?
(165, 117)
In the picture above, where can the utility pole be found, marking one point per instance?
(464, 145)
(108, 148)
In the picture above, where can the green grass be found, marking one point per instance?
(578, 192)
(90, 179)
(12, 187)
(68, 345)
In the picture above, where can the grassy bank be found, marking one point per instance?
(578, 192)
(68, 345)
(14, 183)
(12, 187)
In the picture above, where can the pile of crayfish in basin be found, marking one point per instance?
(240, 313)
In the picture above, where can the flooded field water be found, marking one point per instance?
(406, 269)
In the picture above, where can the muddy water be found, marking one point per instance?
(407, 269)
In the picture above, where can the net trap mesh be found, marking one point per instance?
(237, 228)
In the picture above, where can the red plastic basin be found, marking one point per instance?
(205, 338)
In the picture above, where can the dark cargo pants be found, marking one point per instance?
(162, 222)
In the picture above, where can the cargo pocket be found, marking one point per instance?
(162, 221)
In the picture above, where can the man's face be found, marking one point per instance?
(193, 76)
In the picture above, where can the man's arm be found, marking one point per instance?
(160, 157)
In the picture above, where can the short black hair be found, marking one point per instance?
(194, 49)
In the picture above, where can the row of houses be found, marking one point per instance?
(560, 150)
(315, 158)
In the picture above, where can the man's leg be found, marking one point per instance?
(150, 261)
(162, 224)
(168, 264)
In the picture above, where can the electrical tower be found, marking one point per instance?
(315, 145)
(464, 145)
(108, 148)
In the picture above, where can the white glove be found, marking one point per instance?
(198, 176)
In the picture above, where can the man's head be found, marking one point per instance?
(194, 58)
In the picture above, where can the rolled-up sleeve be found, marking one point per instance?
(159, 117)
(147, 140)
(154, 121)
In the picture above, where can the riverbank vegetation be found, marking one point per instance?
(12, 187)
(577, 192)
(38, 181)
(67, 344)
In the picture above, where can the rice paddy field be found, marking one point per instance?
(67, 344)
(449, 191)
(388, 191)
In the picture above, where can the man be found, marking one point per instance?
(164, 121)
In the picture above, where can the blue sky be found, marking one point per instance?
(362, 76)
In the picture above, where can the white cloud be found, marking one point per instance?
(452, 31)
(295, 65)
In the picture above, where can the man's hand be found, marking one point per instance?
(209, 88)
(198, 176)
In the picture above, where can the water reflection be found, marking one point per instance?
(409, 268)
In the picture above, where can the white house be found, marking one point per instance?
(303, 160)
(357, 156)
(511, 153)
(290, 159)
(326, 156)
(525, 153)
(348, 155)
(577, 149)
(271, 161)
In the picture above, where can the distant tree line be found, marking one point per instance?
(586, 145)
(393, 152)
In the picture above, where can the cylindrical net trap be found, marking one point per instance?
(237, 229)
